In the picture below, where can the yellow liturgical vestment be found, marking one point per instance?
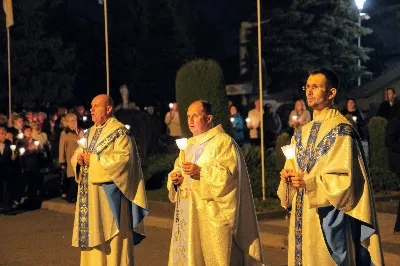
(214, 222)
(111, 200)
(333, 219)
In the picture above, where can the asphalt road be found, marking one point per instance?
(43, 238)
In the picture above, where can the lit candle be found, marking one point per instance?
(127, 127)
(84, 118)
(355, 118)
(294, 117)
(21, 151)
(232, 119)
(82, 143)
(182, 144)
(171, 105)
(248, 120)
(84, 131)
(36, 142)
(13, 147)
(290, 153)
(20, 136)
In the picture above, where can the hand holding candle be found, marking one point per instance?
(13, 147)
(290, 152)
(182, 144)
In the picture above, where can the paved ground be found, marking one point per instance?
(43, 238)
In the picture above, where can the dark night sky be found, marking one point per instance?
(225, 17)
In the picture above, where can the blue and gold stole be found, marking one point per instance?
(306, 160)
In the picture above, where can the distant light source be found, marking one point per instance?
(84, 118)
(360, 4)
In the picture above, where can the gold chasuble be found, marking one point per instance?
(214, 222)
(111, 201)
(333, 219)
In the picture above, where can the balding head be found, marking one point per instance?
(102, 108)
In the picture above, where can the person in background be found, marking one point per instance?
(253, 122)
(68, 145)
(18, 124)
(272, 125)
(393, 146)
(354, 116)
(299, 116)
(10, 175)
(173, 123)
(237, 124)
(31, 163)
(388, 108)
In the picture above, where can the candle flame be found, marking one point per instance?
(171, 105)
(36, 142)
(232, 119)
(289, 151)
(248, 120)
(82, 143)
(181, 143)
(21, 151)
(355, 118)
(13, 147)
(127, 127)
(20, 136)
(294, 117)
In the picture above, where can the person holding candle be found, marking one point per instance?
(111, 202)
(354, 115)
(214, 221)
(327, 185)
(9, 175)
(299, 116)
(237, 124)
(173, 123)
(31, 161)
(253, 122)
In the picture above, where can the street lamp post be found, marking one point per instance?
(360, 6)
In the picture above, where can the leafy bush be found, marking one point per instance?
(252, 155)
(378, 151)
(202, 80)
(156, 169)
(383, 179)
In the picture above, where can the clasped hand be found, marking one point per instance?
(295, 179)
(84, 158)
(191, 169)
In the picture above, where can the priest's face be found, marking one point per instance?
(318, 95)
(198, 121)
(101, 110)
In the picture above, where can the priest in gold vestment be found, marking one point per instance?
(327, 187)
(111, 201)
(214, 222)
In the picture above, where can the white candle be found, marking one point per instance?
(20, 136)
(21, 151)
(182, 144)
(248, 120)
(82, 143)
(127, 127)
(13, 147)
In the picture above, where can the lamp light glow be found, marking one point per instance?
(360, 4)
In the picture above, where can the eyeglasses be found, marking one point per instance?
(312, 87)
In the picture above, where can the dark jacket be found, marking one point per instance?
(388, 111)
(393, 144)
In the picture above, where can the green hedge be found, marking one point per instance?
(383, 180)
(202, 80)
(378, 151)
